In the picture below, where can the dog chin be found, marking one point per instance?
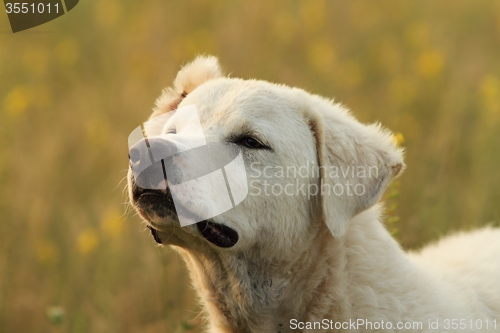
(157, 208)
(158, 219)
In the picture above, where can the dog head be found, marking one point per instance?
(307, 163)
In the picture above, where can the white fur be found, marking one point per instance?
(202, 69)
(323, 256)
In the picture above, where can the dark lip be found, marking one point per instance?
(151, 194)
(161, 203)
(218, 234)
(155, 234)
(141, 192)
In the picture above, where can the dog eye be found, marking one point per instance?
(171, 131)
(250, 142)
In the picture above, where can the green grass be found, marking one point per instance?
(71, 262)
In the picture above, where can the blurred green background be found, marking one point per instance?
(71, 90)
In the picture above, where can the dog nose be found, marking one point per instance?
(140, 155)
(151, 150)
(134, 155)
(148, 159)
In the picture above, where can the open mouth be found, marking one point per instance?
(155, 235)
(217, 234)
(161, 203)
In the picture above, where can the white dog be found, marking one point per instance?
(305, 251)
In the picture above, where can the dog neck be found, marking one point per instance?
(354, 277)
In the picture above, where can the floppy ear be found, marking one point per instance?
(197, 72)
(356, 162)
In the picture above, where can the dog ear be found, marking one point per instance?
(356, 163)
(197, 72)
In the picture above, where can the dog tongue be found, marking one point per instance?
(218, 234)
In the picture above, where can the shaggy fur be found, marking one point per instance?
(303, 259)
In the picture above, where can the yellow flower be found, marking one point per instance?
(398, 139)
(112, 224)
(489, 91)
(490, 87)
(87, 241)
(429, 64)
(17, 100)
